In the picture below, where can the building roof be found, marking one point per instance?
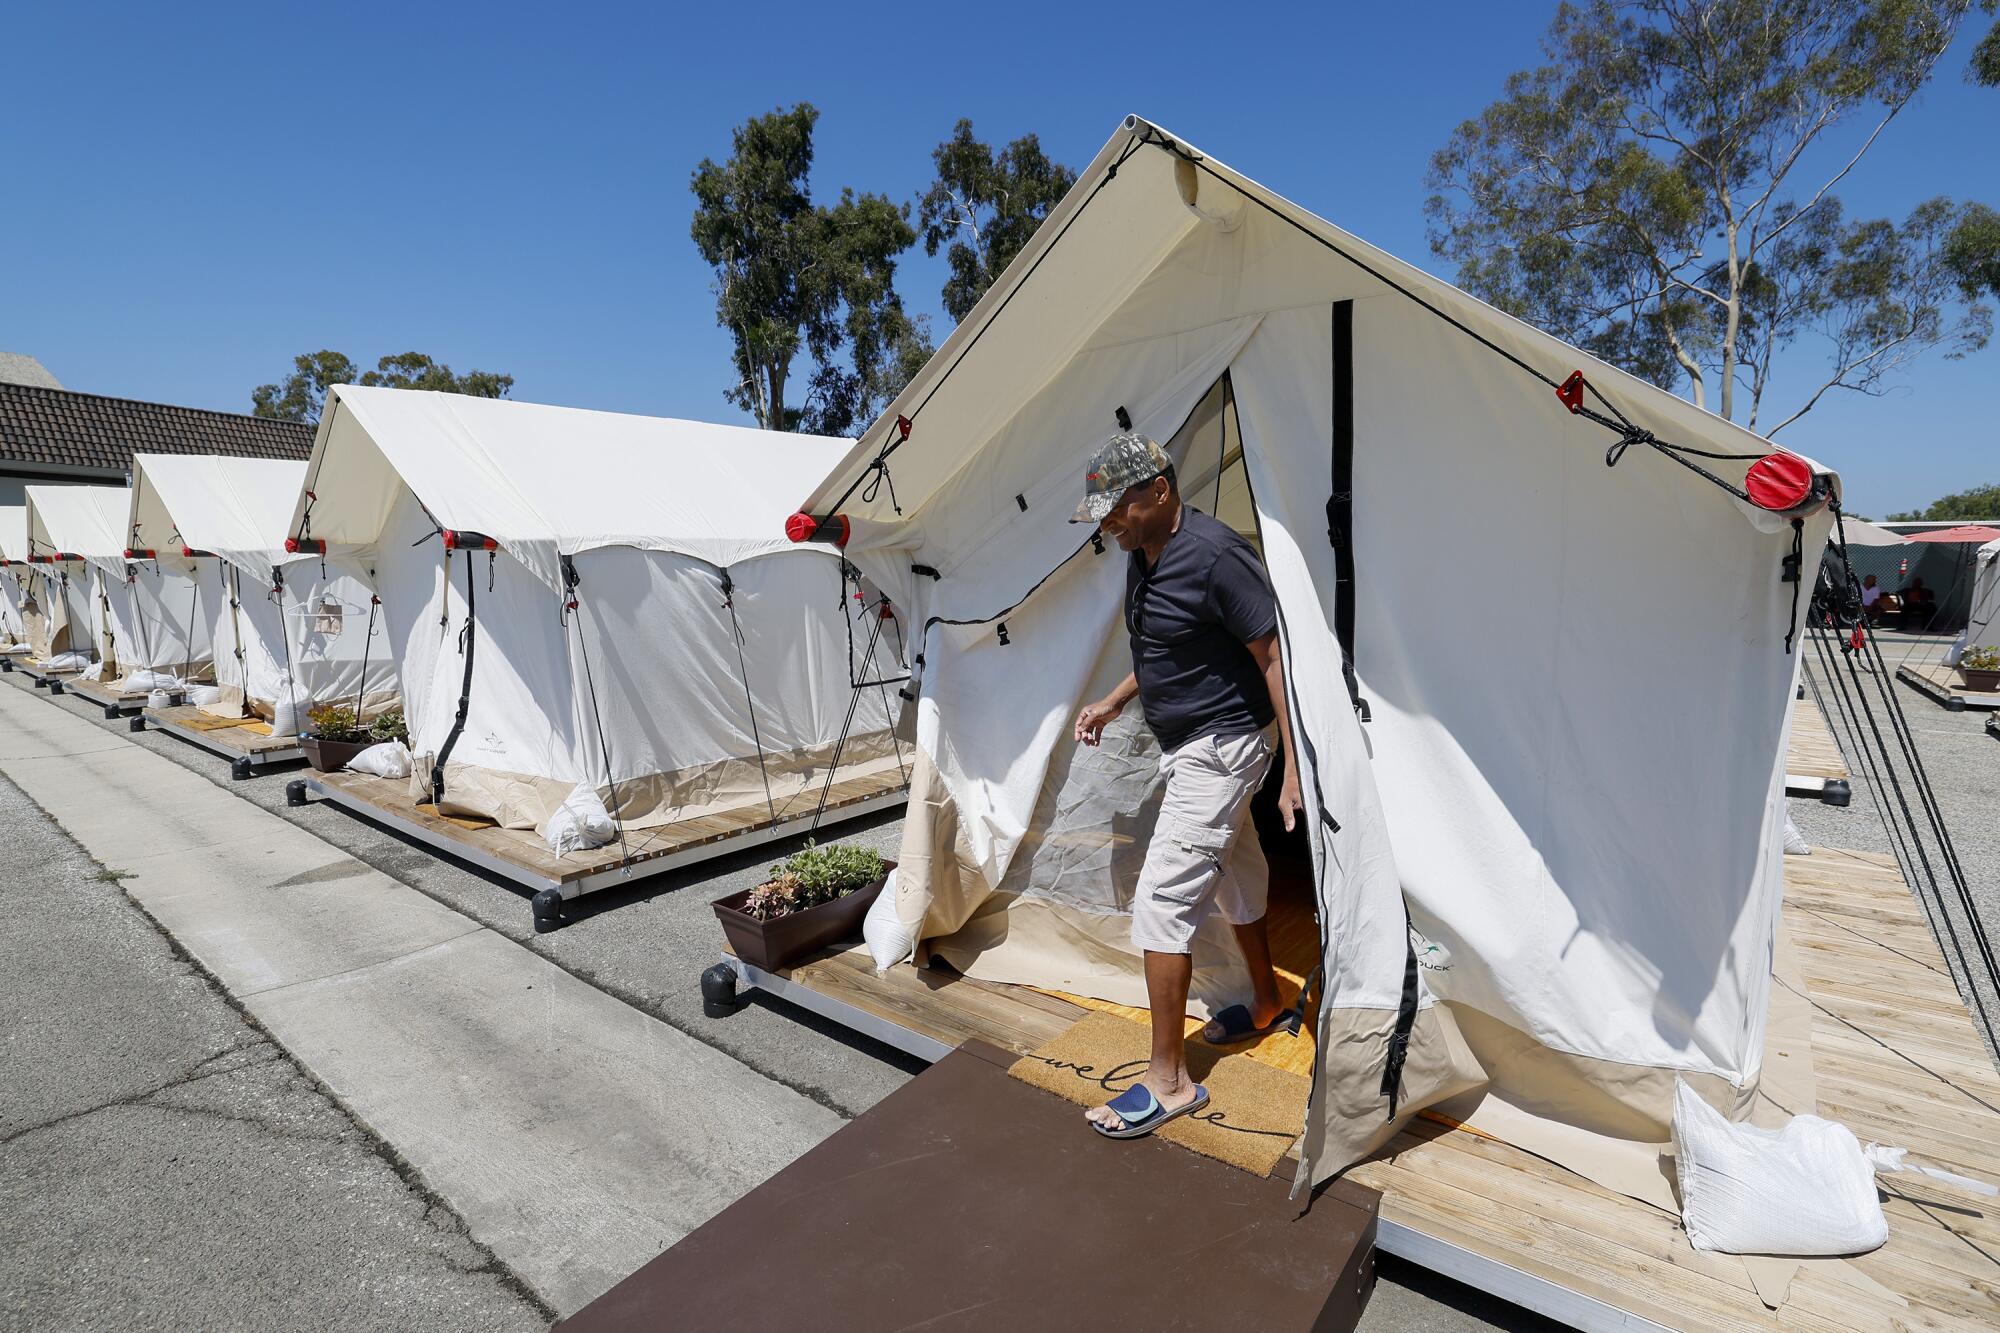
(44, 427)
(20, 368)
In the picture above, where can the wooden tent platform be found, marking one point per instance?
(114, 702)
(1941, 684)
(895, 1221)
(1814, 767)
(247, 741)
(522, 856)
(1896, 1059)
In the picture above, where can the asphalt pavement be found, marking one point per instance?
(165, 1164)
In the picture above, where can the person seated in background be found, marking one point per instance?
(1871, 600)
(1919, 605)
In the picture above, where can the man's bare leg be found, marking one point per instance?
(1168, 976)
(1255, 942)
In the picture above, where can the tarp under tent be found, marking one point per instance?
(148, 615)
(16, 578)
(299, 626)
(579, 597)
(1983, 630)
(1550, 745)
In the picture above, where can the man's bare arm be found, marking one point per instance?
(1271, 662)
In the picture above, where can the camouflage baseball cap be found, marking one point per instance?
(1128, 460)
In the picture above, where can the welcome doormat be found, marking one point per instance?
(1254, 1111)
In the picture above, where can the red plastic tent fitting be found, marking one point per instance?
(1571, 391)
(131, 553)
(189, 553)
(1785, 484)
(468, 541)
(805, 528)
(307, 545)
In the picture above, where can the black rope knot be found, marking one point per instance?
(880, 468)
(1628, 436)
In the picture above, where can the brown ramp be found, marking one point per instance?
(969, 1200)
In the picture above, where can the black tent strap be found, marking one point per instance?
(468, 640)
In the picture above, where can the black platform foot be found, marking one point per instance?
(295, 791)
(1835, 791)
(1993, 727)
(718, 991)
(110, 711)
(137, 722)
(41, 682)
(6, 665)
(547, 906)
(241, 770)
(55, 687)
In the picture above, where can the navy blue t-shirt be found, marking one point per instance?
(1191, 617)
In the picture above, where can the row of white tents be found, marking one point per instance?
(1576, 797)
(554, 598)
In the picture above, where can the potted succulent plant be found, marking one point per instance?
(334, 735)
(1979, 668)
(814, 898)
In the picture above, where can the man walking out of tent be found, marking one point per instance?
(1205, 667)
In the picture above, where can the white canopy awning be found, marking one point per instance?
(552, 481)
(84, 521)
(13, 532)
(233, 508)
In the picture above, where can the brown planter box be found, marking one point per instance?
(1980, 680)
(330, 756)
(779, 943)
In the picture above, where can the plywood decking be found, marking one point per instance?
(1942, 684)
(1896, 1059)
(522, 854)
(245, 738)
(97, 692)
(1813, 753)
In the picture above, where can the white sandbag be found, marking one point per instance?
(201, 696)
(69, 662)
(1803, 1190)
(95, 671)
(580, 822)
(388, 760)
(159, 699)
(289, 709)
(882, 930)
(153, 680)
(1795, 841)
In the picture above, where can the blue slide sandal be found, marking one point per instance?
(1236, 1025)
(1142, 1113)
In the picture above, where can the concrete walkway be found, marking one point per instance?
(576, 1136)
(165, 1165)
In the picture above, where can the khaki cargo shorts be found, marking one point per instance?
(1197, 863)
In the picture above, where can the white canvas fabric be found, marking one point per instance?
(146, 613)
(14, 574)
(1605, 877)
(302, 627)
(1983, 630)
(649, 689)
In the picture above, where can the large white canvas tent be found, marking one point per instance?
(15, 578)
(142, 615)
(288, 625)
(1983, 630)
(1600, 868)
(577, 597)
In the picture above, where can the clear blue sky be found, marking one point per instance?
(194, 193)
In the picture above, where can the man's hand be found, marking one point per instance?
(1290, 803)
(1091, 722)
